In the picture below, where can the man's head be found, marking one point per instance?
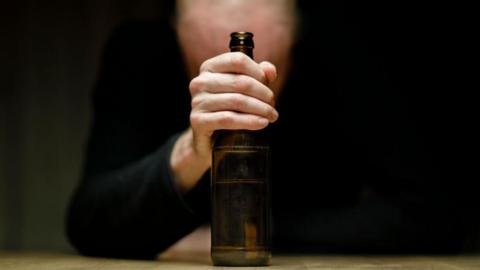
(204, 28)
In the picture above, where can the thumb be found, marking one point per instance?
(270, 71)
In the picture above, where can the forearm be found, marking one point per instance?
(134, 211)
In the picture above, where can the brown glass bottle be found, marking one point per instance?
(240, 190)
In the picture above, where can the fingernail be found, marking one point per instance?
(275, 115)
(263, 121)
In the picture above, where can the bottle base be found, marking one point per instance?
(241, 257)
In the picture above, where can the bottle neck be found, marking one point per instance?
(243, 49)
(238, 137)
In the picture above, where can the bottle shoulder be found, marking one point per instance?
(240, 139)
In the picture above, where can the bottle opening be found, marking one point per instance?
(241, 39)
(241, 35)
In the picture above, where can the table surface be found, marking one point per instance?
(189, 260)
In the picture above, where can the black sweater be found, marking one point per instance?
(351, 171)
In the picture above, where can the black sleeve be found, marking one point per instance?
(127, 204)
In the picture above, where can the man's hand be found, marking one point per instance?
(231, 92)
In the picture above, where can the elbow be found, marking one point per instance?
(93, 241)
(79, 231)
(92, 233)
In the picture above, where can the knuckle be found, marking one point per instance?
(241, 84)
(205, 66)
(197, 83)
(238, 59)
(196, 120)
(238, 102)
(194, 85)
(196, 101)
(226, 120)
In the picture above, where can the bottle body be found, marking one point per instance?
(240, 200)
(240, 184)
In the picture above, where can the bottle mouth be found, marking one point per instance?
(244, 39)
(241, 35)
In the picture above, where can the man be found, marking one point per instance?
(359, 181)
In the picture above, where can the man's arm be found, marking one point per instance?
(127, 204)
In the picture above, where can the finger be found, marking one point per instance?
(209, 122)
(230, 83)
(234, 102)
(234, 62)
(270, 71)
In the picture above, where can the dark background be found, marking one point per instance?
(49, 53)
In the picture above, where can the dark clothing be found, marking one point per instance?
(351, 170)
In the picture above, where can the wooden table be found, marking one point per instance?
(186, 261)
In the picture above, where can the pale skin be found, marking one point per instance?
(229, 90)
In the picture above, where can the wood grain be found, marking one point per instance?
(194, 261)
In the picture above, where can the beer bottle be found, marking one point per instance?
(240, 189)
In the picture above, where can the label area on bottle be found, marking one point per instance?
(240, 198)
(240, 164)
